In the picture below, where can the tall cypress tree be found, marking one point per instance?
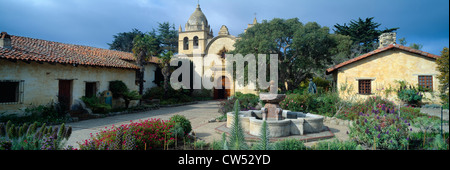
(363, 33)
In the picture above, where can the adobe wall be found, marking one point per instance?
(384, 69)
(41, 80)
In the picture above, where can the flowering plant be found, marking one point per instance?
(410, 95)
(299, 102)
(365, 106)
(381, 128)
(142, 135)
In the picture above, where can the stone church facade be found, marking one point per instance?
(197, 38)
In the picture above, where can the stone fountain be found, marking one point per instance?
(281, 122)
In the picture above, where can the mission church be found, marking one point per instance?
(197, 39)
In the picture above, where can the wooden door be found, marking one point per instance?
(65, 93)
(222, 93)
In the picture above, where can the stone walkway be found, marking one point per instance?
(198, 114)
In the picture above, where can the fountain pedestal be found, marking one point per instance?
(272, 109)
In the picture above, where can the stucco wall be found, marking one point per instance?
(218, 43)
(202, 41)
(384, 69)
(41, 80)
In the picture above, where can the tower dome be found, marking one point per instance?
(197, 21)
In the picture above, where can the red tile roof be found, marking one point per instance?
(30, 49)
(392, 46)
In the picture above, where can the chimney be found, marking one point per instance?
(5, 40)
(387, 39)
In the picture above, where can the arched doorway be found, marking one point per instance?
(222, 93)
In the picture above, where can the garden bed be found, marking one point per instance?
(136, 109)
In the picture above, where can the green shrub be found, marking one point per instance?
(299, 102)
(42, 113)
(427, 124)
(200, 144)
(117, 88)
(367, 106)
(226, 106)
(322, 83)
(410, 113)
(154, 93)
(96, 104)
(445, 106)
(183, 122)
(428, 141)
(336, 145)
(439, 143)
(216, 145)
(327, 104)
(289, 144)
(171, 97)
(130, 95)
(411, 95)
(246, 102)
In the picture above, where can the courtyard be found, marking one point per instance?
(199, 115)
(345, 84)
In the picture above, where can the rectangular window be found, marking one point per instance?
(426, 83)
(364, 86)
(91, 89)
(11, 91)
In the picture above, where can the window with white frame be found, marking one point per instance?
(11, 91)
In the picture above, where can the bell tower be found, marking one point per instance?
(196, 34)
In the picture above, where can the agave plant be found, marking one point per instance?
(264, 142)
(237, 139)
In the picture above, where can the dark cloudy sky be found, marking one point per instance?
(94, 22)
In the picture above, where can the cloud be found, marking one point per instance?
(94, 22)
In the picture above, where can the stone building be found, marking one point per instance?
(378, 72)
(198, 39)
(37, 72)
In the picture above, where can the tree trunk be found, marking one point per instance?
(166, 74)
(141, 82)
(141, 72)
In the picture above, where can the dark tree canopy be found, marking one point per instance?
(363, 33)
(124, 41)
(302, 48)
(168, 37)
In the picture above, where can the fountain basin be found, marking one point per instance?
(271, 98)
(293, 123)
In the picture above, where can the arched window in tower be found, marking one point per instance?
(195, 42)
(186, 43)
